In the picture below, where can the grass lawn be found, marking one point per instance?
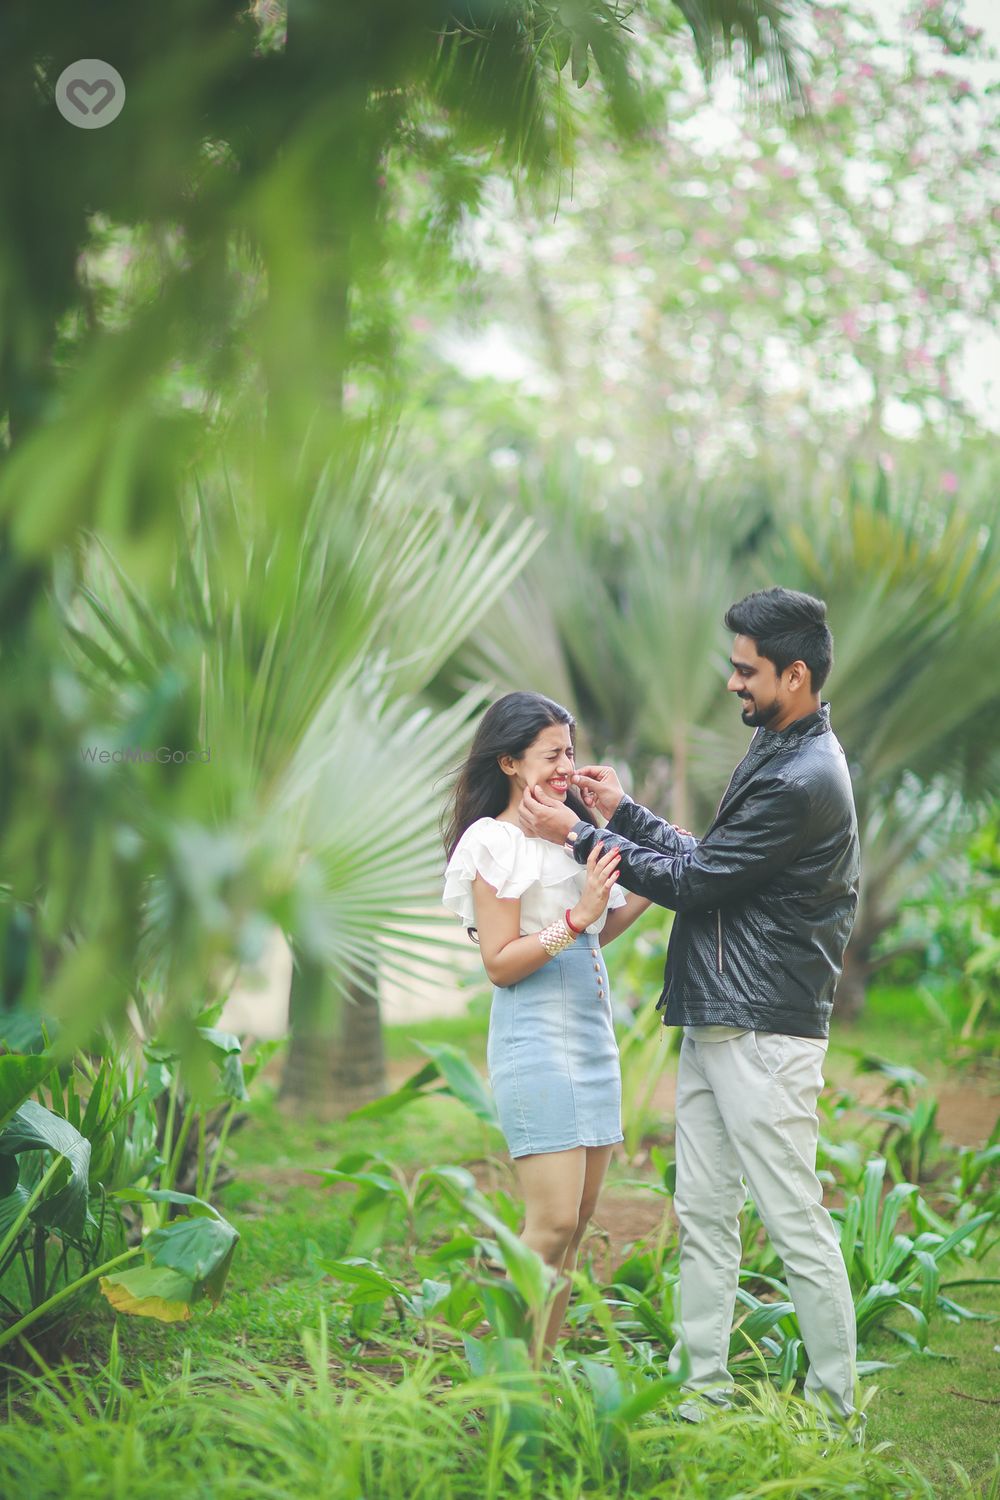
(931, 1410)
(290, 1220)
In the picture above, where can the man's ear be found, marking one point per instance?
(799, 675)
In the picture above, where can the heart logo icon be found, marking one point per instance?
(90, 93)
(80, 86)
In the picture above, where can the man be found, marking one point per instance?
(765, 904)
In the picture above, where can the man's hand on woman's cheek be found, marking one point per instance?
(542, 817)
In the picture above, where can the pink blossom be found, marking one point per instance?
(784, 170)
(839, 97)
(866, 71)
(848, 323)
(886, 462)
(381, 181)
(625, 257)
(704, 265)
(420, 325)
(949, 482)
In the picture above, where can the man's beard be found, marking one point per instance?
(760, 716)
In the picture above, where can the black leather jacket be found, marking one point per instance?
(767, 899)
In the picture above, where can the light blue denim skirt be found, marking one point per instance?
(553, 1058)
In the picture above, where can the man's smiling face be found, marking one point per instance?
(755, 682)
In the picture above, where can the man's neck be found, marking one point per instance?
(785, 721)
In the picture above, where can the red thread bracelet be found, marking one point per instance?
(570, 924)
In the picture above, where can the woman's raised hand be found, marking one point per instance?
(602, 872)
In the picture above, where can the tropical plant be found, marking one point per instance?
(77, 1201)
(65, 1171)
(297, 662)
(891, 1271)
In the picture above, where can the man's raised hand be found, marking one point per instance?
(600, 788)
(543, 817)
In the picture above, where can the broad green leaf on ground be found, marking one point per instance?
(195, 1247)
(189, 1259)
(34, 1128)
(151, 1292)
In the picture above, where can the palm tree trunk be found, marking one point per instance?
(852, 989)
(336, 1059)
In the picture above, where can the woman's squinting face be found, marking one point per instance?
(547, 762)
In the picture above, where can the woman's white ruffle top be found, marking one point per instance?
(541, 875)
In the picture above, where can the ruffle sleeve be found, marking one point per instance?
(494, 851)
(511, 864)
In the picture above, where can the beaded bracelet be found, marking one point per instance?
(556, 937)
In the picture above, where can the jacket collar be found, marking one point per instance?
(812, 724)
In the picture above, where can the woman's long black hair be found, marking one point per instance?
(508, 727)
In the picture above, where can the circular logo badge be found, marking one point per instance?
(90, 93)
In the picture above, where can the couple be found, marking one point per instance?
(765, 903)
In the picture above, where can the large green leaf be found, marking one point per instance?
(195, 1247)
(11, 1206)
(452, 1067)
(369, 1283)
(19, 1077)
(189, 1259)
(34, 1128)
(525, 1267)
(463, 1080)
(151, 1292)
(196, 1207)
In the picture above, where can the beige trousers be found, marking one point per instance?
(746, 1119)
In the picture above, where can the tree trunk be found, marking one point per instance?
(852, 991)
(336, 1060)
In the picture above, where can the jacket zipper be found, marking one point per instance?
(718, 945)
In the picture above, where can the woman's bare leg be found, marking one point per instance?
(553, 1184)
(598, 1158)
(560, 1189)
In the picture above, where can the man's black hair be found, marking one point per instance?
(786, 626)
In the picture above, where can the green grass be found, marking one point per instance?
(242, 1430)
(916, 1407)
(174, 1414)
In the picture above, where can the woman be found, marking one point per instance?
(541, 920)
